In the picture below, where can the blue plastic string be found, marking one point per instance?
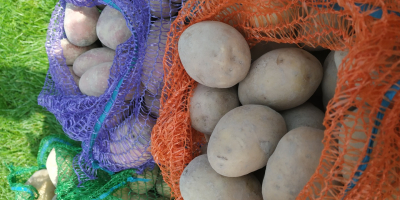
(23, 189)
(362, 167)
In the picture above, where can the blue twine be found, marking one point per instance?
(362, 167)
(23, 189)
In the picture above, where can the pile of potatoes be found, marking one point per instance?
(256, 110)
(93, 34)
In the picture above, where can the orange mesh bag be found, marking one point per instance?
(361, 156)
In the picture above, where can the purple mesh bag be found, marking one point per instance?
(114, 128)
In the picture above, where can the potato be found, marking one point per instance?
(162, 187)
(331, 67)
(71, 52)
(293, 163)
(199, 181)
(353, 124)
(76, 78)
(208, 105)
(66, 171)
(304, 115)
(152, 103)
(41, 181)
(244, 139)
(123, 193)
(263, 47)
(162, 8)
(129, 147)
(80, 24)
(92, 58)
(51, 166)
(272, 19)
(94, 81)
(141, 187)
(153, 71)
(111, 28)
(281, 79)
(214, 54)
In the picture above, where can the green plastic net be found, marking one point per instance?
(120, 186)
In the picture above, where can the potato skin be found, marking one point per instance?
(304, 115)
(263, 47)
(199, 181)
(329, 79)
(208, 105)
(92, 58)
(281, 79)
(293, 163)
(244, 139)
(80, 24)
(94, 81)
(76, 78)
(111, 28)
(71, 52)
(141, 187)
(214, 54)
(41, 181)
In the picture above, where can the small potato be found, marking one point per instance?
(67, 170)
(92, 58)
(162, 8)
(123, 193)
(111, 28)
(130, 146)
(76, 78)
(71, 52)
(162, 187)
(141, 187)
(199, 181)
(338, 57)
(208, 105)
(51, 166)
(41, 181)
(293, 163)
(244, 139)
(264, 47)
(80, 24)
(153, 71)
(214, 54)
(94, 81)
(152, 103)
(304, 115)
(281, 79)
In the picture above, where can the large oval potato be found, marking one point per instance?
(92, 58)
(208, 105)
(214, 54)
(162, 8)
(130, 146)
(293, 163)
(153, 71)
(304, 115)
(71, 52)
(199, 181)
(41, 181)
(281, 79)
(94, 81)
(111, 28)
(141, 187)
(80, 24)
(244, 139)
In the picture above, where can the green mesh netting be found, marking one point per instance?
(124, 185)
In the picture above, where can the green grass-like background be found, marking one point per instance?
(23, 68)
